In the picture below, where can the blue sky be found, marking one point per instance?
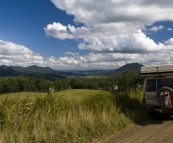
(85, 34)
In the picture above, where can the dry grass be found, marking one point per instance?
(85, 115)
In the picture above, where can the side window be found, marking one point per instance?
(151, 85)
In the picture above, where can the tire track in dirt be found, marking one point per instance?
(152, 131)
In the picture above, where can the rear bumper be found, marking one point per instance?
(157, 109)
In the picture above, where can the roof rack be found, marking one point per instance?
(157, 70)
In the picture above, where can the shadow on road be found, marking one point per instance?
(158, 119)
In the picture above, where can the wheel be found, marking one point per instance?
(165, 97)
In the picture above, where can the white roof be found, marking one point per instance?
(157, 69)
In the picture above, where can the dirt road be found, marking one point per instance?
(151, 131)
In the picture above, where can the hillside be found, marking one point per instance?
(32, 71)
(17, 69)
(36, 69)
(5, 71)
(132, 66)
(51, 74)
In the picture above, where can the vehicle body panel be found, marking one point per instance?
(156, 77)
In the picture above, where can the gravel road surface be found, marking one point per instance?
(150, 131)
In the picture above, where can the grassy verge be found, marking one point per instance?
(130, 103)
(57, 119)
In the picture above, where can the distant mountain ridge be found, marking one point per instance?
(34, 70)
(52, 74)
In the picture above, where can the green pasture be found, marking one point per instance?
(76, 94)
(70, 116)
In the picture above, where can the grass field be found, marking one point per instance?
(71, 116)
(67, 94)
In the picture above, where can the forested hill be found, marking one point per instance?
(34, 71)
(18, 69)
(132, 66)
(51, 74)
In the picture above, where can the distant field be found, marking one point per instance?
(68, 94)
(23, 95)
(77, 93)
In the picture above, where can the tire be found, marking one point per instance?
(160, 98)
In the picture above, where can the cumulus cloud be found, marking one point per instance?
(57, 30)
(156, 28)
(113, 32)
(92, 12)
(169, 29)
(108, 60)
(13, 54)
(126, 43)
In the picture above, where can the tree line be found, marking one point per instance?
(21, 84)
(126, 81)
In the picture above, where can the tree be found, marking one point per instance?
(39, 83)
(48, 84)
(10, 85)
(127, 80)
(65, 84)
(74, 83)
(57, 85)
(31, 86)
(23, 83)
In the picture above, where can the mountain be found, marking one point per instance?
(32, 71)
(132, 66)
(18, 69)
(36, 69)
(51, 74)
(5, 70)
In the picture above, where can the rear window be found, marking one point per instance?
(165, 82)
(151, 85)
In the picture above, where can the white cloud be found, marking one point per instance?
(169, 42)
(125, 43)
(156, 28)
(92, 12)
(108, 60)
(57, 30)
(18, 55)
(13, 54)
(169, 29)
(112, 31)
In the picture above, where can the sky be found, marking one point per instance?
(85, 34)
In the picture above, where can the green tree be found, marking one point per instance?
(32, 86)
(1, 85)
(74, 83)
(10, 85)
(57, 85)
(65, 84)
(127, 80)
(48, 84)
(39, 84)
(23, 83)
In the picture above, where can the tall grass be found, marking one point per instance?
(58, 120)
(130, 103)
